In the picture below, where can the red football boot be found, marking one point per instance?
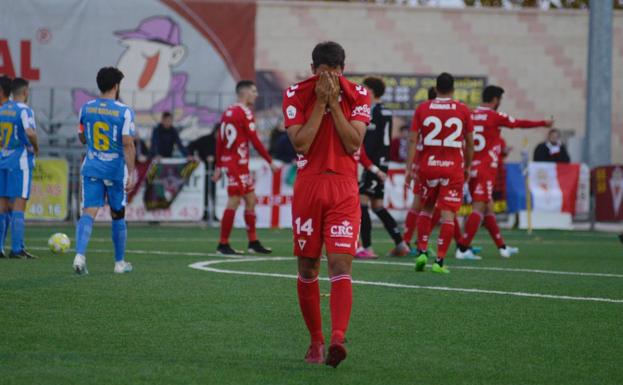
(315, 353)
(337, 354)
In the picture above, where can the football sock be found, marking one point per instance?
(492, 225)
(423, 230)
(410, 225)
(341, 302)
(366, 227)
(472, 224)
(119, 236)
(17, 231)
(435, 219)
(227, 222)
(7, 226)
(389, 223)
(445, 238)
(83, 233)
(249, 219)
(3, 230)
(309, 302)
(457, 231)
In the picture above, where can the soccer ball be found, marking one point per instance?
(59, 243)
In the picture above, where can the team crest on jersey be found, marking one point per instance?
(291, 112)
(302, 243)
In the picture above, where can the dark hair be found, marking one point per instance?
(377, 85)
(329, 53)
(5, 85)
(18, 84)
(432, 93)
(243, 84)
(108, 78)
(166, 114)
(491, 92)
(445, 83)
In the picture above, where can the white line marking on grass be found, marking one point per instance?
(206, 266)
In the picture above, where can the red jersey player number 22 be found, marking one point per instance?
(442, 125)
(325, 204)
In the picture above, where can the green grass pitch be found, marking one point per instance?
(517, 321)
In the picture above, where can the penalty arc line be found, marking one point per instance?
(207, 266)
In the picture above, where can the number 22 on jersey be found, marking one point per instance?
(431, 139)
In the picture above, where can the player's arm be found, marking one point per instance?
(510, 122)
(469, 144)
(129, 151)
(351, 132)
(81, 136)
(217, 153)
(368, 165)
(413, 141)
(257, 143)
(302, 135)
(32, 137)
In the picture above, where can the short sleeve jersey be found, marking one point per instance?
(237, 124)
(326, 153)
(104, 122)
(15, 119)
(442, 125)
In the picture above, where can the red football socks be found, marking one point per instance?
(423, 230)
(457, 231)
(492, 225)
(309, 301)
(249, 219)
(341, 303)
(436, 218)
(227, 222)
(410, 225)
(471, 228)
(445, 238)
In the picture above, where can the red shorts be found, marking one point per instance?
(239, 183)
(417, 187)
(481, 183)
(445, 191)
(325, 210)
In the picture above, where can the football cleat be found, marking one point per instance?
(257, 247)
(225, 249)
(363, 253)
(467, 254)
(437, 268)
(401, 250)
(507, 251)
(421, 260)
(337, 354)
(2, 255)
(80, 265)
(123, 267)
(29, 255)
(315, 353)
(21, 255)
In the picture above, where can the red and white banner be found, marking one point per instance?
(554, 186)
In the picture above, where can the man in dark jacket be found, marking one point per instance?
(552, 150)
(164, 138)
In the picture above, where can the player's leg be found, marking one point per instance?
(446, 233)
(411, 218)
(448, 200)
(117, 200)
(4, 204)
(424, 228)
(93, 194)
(401, 248)
(365, 250)
(491, 225)
(472, 224)
(307, 234)
(234, 192)
(254, 246)
(341, 302)
(19, 189)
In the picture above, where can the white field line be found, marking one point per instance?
(391, 263)
(206, 266)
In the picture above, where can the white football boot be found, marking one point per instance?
(507, 251)
(123, 267)
(468, 255)
(80, 265)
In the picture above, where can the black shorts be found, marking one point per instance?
(371, 185)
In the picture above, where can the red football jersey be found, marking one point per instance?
(232, 141)
(442, 125)
(326, 154)
(487, 134)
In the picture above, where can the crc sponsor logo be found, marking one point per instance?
(439, 163)
(343, 230)
(291, 112)
(363, 110)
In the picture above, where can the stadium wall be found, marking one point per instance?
(539, 57)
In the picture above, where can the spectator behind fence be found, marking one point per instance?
(552, 150)
(164, 138)
(280, 146)
(205, 148)
(399, 146)
(142, 151)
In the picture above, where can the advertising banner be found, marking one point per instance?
(49, 190)
(608, 190)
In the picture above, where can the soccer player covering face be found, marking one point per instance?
(107, 128)
(232, 154)
(18, 148)
(326, 118)
(445, 128)
(375, 158)
(487, 155)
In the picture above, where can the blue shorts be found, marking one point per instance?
(15, 183)
(96, 192)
